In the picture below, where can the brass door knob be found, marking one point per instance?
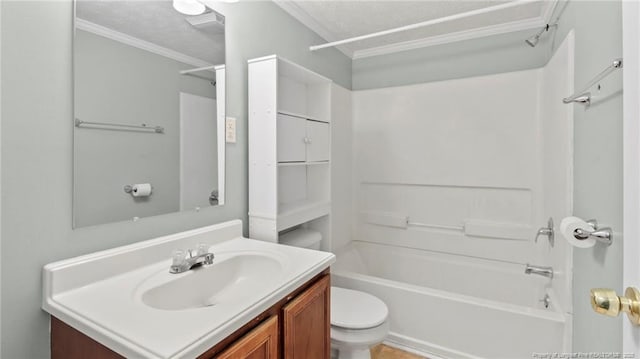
(607, 302)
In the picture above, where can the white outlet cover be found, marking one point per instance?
(230, 130)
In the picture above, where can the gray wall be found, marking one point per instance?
(118, 83)
(37, 146)
(597, 132)
(597, 166)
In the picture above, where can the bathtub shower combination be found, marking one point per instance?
(452, 180)
(455, 307)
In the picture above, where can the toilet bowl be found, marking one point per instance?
(358, 321)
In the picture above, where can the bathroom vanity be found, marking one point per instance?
(256, 300)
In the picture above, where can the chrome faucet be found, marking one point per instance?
(183, 262)
(543, 271)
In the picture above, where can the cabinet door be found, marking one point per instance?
(307, 323)
(318, 141)
(291, 134)
(260, 343)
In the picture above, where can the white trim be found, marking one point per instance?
(198, 69)
(0, 175)
(221, 118)
(307, 20)
(408, 349)
(424, 348)
(451, 37)
(114, 35)
(631, 161)
(264, 58)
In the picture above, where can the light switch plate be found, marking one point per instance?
(230, 130)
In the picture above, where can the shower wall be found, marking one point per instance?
(477, 165)
(447, 153)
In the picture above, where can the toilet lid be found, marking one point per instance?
(352, 309)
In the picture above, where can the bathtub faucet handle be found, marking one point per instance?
(547, 231)
(546, 300)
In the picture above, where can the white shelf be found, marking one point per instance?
(300, 115)
(295, 213)
(292, 70)
(297, 191)
(288, 164)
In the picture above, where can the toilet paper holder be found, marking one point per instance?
(130, 189)
(602, 235)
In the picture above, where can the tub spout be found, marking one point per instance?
(538, 270)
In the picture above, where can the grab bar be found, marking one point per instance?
(435, 226)
(470, 227)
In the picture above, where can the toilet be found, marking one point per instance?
(358, 319)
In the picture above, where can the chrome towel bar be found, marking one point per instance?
(584, 96)
(156, 129)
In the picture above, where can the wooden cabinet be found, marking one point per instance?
(305, 329)
(307, 323)
(296, 327)
(260, 343)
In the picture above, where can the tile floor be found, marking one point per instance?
(386, 352)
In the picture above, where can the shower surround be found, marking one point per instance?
(451, 182)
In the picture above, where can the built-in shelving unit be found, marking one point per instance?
(289, 149)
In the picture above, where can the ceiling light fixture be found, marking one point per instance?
(189, 7)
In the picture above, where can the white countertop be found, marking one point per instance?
(100, 294)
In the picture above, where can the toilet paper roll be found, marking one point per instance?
(569, 225)
(141, 190)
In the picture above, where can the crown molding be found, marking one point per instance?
(298, 13)
(450, 38)
(114, 35)
(307, 20)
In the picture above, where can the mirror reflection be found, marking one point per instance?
(148, 109)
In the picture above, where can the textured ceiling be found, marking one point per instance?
(336, 20)
(156, 22)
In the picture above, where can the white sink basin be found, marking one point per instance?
(126, 299)
(231, 279)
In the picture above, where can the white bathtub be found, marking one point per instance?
(453, 306)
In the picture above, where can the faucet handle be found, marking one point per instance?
(547, 231)
(178, 257)
(203, 248)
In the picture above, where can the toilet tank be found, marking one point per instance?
(302, 237)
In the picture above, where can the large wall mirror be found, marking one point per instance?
(149, 100)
